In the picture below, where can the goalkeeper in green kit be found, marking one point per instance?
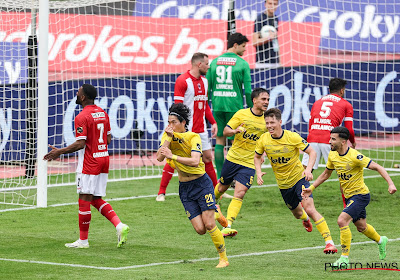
(226, 77)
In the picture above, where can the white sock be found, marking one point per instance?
(329, 242)
(119, 226)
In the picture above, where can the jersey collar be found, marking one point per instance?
(348, 148)
(283, 132)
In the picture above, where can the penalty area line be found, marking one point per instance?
(179, 261)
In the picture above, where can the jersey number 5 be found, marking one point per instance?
(325, 110)
(224, 74)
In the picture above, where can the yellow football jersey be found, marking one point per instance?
(350, 170)
(283, 153)
(242, 150)
(182, 145)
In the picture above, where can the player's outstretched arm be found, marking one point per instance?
(55, 153)
(321, 178)
(382, 171)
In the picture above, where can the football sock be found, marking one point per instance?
(304, 216)
(323, 229)
(233, 209)
(167, 174)
(211, 172)
(106, 210)
(371, 233)
(217, 193)
(85, 215)
(219, 158)
(219, 242)
(345, 240)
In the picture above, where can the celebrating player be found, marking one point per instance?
(282, 149)
(327, 113)
(247, 125)
(191, 90)
(349, 165)
(183, 150)
(227, 76)
(93, 134)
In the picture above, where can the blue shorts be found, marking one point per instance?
(355, 206)
(197, 196)
(292, 196)
(232, 171)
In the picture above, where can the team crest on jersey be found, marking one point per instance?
(200, 106)
(199, 86)
(79, 129)
(348, 167)
(360, 157)
(285, 150)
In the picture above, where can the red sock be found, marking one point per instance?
(211, 172)
(84, 219)
(106, 210)
(167, 174)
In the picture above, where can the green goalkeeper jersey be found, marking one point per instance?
(226, 77)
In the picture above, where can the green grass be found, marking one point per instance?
(160, 232)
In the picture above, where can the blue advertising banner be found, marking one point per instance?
(13, 63)
(357, 25)
(373, 89)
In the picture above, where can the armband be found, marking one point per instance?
(174, 157)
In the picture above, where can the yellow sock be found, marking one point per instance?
(371, 233)
(345, 240)
(323, 229)
(304, 217)
(217, 193)
(233, 210)
(219, 242)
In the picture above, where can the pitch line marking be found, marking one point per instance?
(180, 261)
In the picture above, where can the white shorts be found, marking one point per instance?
(91, 184)
(205, 141)
(319, 148)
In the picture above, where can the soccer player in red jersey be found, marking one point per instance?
(93, 134)
(326, 113)
(191, 89)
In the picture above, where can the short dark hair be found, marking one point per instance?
(89, 91)
(336, 84)
(343, 132)
(181, 111)
(236, 38)
(257, 91)
(273, 112)
(198, 56)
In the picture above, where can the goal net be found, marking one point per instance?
(133, 51)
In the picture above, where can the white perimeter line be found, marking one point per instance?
(180, 261)
(170, 194)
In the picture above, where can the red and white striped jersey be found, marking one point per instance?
(93, 125)
(326, 114)
(193, 93)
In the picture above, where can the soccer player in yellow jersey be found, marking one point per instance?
(282, 149)
(247, 125)
(182, 149)
(349, 165)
